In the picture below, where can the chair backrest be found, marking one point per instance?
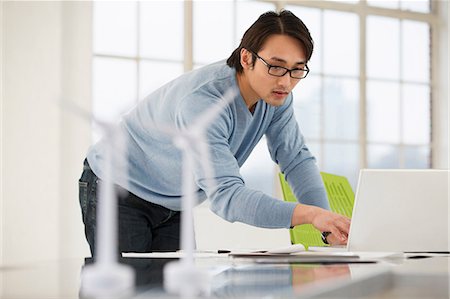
(341, 199)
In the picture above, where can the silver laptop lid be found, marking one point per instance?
(401, 210)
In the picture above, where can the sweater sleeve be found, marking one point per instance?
(230, 198)
(288, 149)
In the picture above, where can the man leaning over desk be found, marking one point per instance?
(269, 62)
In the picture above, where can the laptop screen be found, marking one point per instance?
(401, 210)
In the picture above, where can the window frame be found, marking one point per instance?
(362, 10)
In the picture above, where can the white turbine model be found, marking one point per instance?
(106, 278)
(182, 277)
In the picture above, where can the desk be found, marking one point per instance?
(408, 278)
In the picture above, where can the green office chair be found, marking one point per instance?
(341, 199)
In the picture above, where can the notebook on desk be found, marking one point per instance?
(401, 211)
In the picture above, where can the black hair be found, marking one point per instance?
(269, 23)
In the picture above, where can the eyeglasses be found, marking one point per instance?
(279, 71)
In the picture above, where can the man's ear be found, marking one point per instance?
(246, 59)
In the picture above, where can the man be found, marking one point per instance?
(270, 61)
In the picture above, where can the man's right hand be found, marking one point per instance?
(324, 221)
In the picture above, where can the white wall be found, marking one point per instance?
(46, 57)
(212, 233)
(441, 108)
(75, 132)
(1, 135)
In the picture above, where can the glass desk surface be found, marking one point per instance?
(408, 278)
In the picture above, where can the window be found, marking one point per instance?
(132, 55)
(398, 93)
(365, 103)
(214, 43)
(327, 102)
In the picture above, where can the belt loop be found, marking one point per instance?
(86, 165)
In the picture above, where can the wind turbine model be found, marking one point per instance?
(182, 277)
(106, 278)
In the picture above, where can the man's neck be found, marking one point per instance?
(247, 92)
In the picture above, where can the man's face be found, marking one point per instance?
(278, 50)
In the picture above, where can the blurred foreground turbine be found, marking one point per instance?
(106, 277)
(183, 277)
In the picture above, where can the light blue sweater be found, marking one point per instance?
(154, 172)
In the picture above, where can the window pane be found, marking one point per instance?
(114, 87)
(416, 5)
(417, 157)
(213, 34)
(114, 28)
(259, 170)
(416, 114)
(345, 1)
(315, 149)
(412, 5)
(393, 4)
(342, 159)
(341, 108)
(161, 36)
(247, 12)
(383, 111)
(416, 51)
(312, 17)
(307, 106)
(382, 156)
(383, 48)
(154, 74)
(341, 43)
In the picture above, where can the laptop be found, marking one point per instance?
(401, 210)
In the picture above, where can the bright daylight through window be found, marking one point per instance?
(366, 101)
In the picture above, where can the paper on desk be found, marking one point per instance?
(173, 254)
(305, 254)
(361, 254)
(317, 255)
(332, 251)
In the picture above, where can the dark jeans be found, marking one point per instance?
(143, 226)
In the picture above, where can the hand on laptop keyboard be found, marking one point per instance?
(324, 221)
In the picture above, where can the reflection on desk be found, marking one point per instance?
(283, 281)
(148, 271)
(411, 278)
